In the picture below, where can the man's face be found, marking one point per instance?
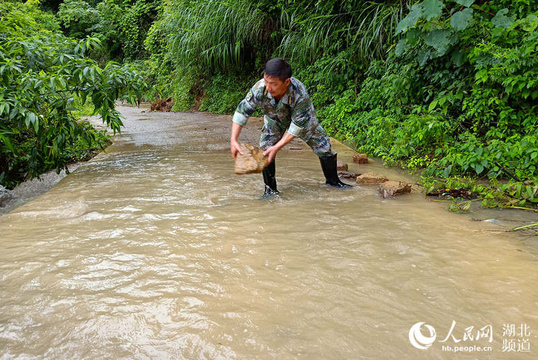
(276, 87)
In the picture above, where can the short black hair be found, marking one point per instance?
(278, 67)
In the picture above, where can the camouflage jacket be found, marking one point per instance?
(294, 111)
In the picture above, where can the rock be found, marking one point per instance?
(5, 195)
(360, 159)
(162, 105)
(341, 166)
(371, 178)
(347, 175)
(251, 161)
(394, 188)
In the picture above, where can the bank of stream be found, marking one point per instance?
(155, 249)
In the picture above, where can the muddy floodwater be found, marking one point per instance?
(155, 249)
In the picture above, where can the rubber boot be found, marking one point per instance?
(328, 165)
(270, 180)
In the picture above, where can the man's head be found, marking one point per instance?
(277, 74)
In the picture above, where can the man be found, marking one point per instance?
(288, 113)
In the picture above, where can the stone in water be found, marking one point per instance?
(251, 161)
(360, 159)
(389, 189)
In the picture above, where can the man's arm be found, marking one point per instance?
(271, 152)
(244, 110)
(234, 145)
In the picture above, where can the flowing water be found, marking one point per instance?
(156, 250)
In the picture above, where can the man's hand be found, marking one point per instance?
(235, 148)
(234, 145)
(271, 152)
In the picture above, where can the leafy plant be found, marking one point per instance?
(364, 29)
(44, 76)
(121, 25)
(213, 34)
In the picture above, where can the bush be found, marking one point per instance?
(44, 76)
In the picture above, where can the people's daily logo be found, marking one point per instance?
(418, 339)
(471, 338)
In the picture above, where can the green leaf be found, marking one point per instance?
(52, 84)
(432, 106)
(461, 19)
(14, 112)
(466, 3)
(432, 9)
(401, 47)
(27, 120)
(7, 142)
(423, 57)
(413, 36)
(410, 20)
(31, 118)
(439, 39)
(530, 23)
(530, 192)
(447, 171)
(36, 124)
(458, 58)
(501, 20)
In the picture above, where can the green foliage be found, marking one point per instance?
(121, 25)
(212, 34)
(211, 38)
(192, 42)
(44, 76)
(492, 194)
(450, 103)
(222, 94)
(493, 93)
(185, 87)
(78, 17)
(84, 149)
(363, 29)
(135, 21)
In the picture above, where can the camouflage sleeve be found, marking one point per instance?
(301, 117)
(246, 108)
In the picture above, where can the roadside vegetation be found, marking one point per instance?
(45, 76)
(447, 89)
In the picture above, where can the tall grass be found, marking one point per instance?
(220, 35)
(214, 34)
(365, 29)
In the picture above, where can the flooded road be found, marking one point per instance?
(157, 250)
